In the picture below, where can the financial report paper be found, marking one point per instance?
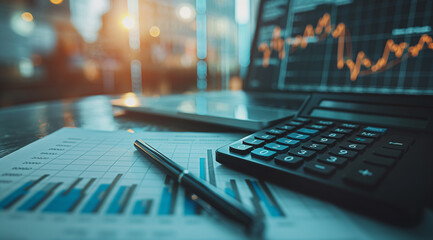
(87, 184)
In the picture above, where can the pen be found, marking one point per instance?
(206, 192)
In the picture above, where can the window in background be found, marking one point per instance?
(60, 49)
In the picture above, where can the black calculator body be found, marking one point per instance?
(372, 154)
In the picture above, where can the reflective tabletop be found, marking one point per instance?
(23, 124)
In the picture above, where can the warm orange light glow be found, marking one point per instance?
(26, 16)
(154, 31)
(91, 70)
(235, 83)
(324, 28)
(130, 131)
(130, 99)
(128, 22)
(56, 1)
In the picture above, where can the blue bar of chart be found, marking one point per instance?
(190, 206)
(39, 197)
(63, 203)
(168, 197)
(202, 169)
(68, 199)
(232, 190)
(142, 207)
(99, 196)
(211, 169)
(121, 199)
(95, 199)
(115, 205)
(19, 193)
(262, 194)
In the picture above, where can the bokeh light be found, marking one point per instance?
(130, 99)
(154, 31)
(26, 67)
(128, 22)
(56, 2)
(186, 12)
(26, 16)
(20, 26)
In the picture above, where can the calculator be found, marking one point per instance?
(376, 168)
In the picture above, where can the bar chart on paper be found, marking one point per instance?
(92, 184)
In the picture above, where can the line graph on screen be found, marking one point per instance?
(361, 65)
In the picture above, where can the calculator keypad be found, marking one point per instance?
(324, 148)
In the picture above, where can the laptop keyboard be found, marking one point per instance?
(346, 156)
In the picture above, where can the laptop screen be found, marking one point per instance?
(343, 46)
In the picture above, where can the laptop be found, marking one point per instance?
(300, 48)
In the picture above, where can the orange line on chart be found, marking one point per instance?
(323, 29)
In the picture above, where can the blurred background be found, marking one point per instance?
(52, 49)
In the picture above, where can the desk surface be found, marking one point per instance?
(23, 124)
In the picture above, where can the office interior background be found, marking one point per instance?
(57, 49)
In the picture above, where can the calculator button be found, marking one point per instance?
(308, 131)
(392, 153)
(304, 120)
(314, 146)
(324, 140)
(333, 135)
(353, 146)
(298, 136)
(362, 140)
(398, 143)
(375, 129)
(288, 142)
(276, 147)
(289, 160)
(333, 160)
(349, 125)
(294, 123)
(342, 130)
(365, 175)
(276, 132)
(254, 142)
(240, 148)
(319, 168)
(265, 137)
(368, 134)
(327, 123)
(378, 160)
(286, 127)
(262, 153)
(302, 153)
(317, 126)
(404, 139)
(343, 153)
